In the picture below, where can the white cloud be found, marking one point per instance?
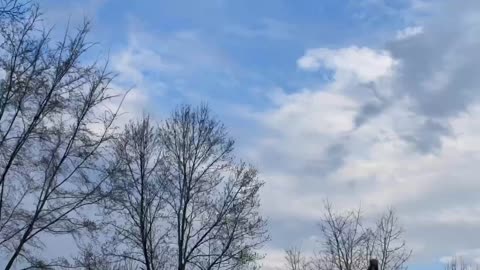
(364, 63)
(138, 59)
(409, 32)
(323, 111)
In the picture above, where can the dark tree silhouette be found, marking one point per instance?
(389, 246)
(135, 206)
(53, 126)
(213, 202)
(373, 264)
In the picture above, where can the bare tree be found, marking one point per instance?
(89, 260)
(349, 244)
(53, 127)
(295, 260)
(135, 205)
(390, 247)
(459, 263)
(344, 239)
(213, 203)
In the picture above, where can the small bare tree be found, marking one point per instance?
(53, 127)
(389, 246)
(344, 240)
(295, 260)
(350, 245)
(459, 263)
(135, 204)
(213, 203)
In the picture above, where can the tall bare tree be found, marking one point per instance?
(389, 246)
(213, 202)
(53, 126)
(344, 239)
(295, 260)
(135, 205)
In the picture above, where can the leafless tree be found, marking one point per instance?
(389, 246)
(53, 127)
(213, 202)
(348, 244)
(459, 263)
(344, 239)
(295, 260)
(89, 260)
(135, 205)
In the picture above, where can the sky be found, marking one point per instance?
(371, 103)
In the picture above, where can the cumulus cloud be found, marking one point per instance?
(363, 63)
(397, 126)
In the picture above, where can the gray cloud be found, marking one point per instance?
(437, 72)
(367, 111)
(439, 66)
(438, 69)
(427, 137)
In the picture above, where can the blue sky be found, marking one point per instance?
(366, 102)
(239, 46)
